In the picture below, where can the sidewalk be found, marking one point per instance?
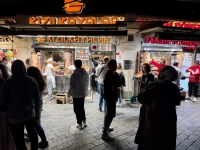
(59, 123)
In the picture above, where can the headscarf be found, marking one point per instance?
(168, 73)
(18, 68)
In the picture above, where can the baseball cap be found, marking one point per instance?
(175, 62)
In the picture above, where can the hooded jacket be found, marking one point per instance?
(79, 82)
(19, 95)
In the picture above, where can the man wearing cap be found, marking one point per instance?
(158, 65)
(194, 80)
(180, 74)
(51, 84)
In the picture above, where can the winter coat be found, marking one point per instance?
(101, 72)
(146, 78)
(4, 69)
(122, 77)
(19, 95)
(79, 82)
(158, 119)
(195, 74)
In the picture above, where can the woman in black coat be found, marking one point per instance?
(146, 77)
(158, 122)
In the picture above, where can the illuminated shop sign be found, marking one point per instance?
(177, 24)
(74, 20)
(152, 40)
(77, 39)
(73, 6)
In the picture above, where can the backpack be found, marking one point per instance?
(122, 78)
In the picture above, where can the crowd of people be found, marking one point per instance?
(21, 101)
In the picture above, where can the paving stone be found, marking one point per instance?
(187, 143)
(100, 147)
(193, 148)
(197, 143)
(192, 137)
(181, 147)
(131, 145)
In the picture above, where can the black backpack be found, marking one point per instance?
(122, 78)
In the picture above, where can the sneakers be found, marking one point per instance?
(107, 138)
(119, 105)
(43, 144)
(51, 97)
(84, 124)
(100, 109)
(79, 126)
(71, 102)
(195, 99)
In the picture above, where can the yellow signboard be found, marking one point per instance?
(74, 20)
(76, 39)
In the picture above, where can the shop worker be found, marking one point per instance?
(194, 80)
(158, 65)
(180, 73)
(112, 83)
(101, 72)
(50, 73)
(21, 103)
(79, 82)
(28, 63)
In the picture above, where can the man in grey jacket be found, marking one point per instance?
(79, 82)
(101, 72)
(19, 95)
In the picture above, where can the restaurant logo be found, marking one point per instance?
(77, 39)
(73, 6)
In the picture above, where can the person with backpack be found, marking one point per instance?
(101, 72)
(123, 82)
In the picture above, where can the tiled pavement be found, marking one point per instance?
(58, 120)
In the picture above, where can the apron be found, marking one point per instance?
(52, 77)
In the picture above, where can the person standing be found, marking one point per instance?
(101, 72)
(180, 73)
(123, 82)
(36, 74)
(146, 77)
(158, 65)
(158, 122)
(21, 103)
(111, 84)
(28, 63)
(194, 80)
(6, 139)
(4, 70)
(50, 73)
(79, 82)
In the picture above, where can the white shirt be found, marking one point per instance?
(180, 75)
(48, 70)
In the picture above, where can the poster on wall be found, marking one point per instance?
(197, 56)
(11, 53)
(128, 65)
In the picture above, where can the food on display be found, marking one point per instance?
(9, 54)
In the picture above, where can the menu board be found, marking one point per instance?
(187, 60)
(82, 54)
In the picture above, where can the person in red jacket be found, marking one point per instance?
(194, 79)
(158, 65)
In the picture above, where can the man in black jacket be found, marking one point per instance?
(111, 84)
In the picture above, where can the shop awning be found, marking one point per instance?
(84, 30)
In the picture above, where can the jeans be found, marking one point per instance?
(17, 131)
(79, 109)
(41, 133)
(120, 99)
(109, 115)
(195, 86)
(102, 102)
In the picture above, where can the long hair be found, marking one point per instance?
(120, 66)
(148, 68)
(36, 74)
